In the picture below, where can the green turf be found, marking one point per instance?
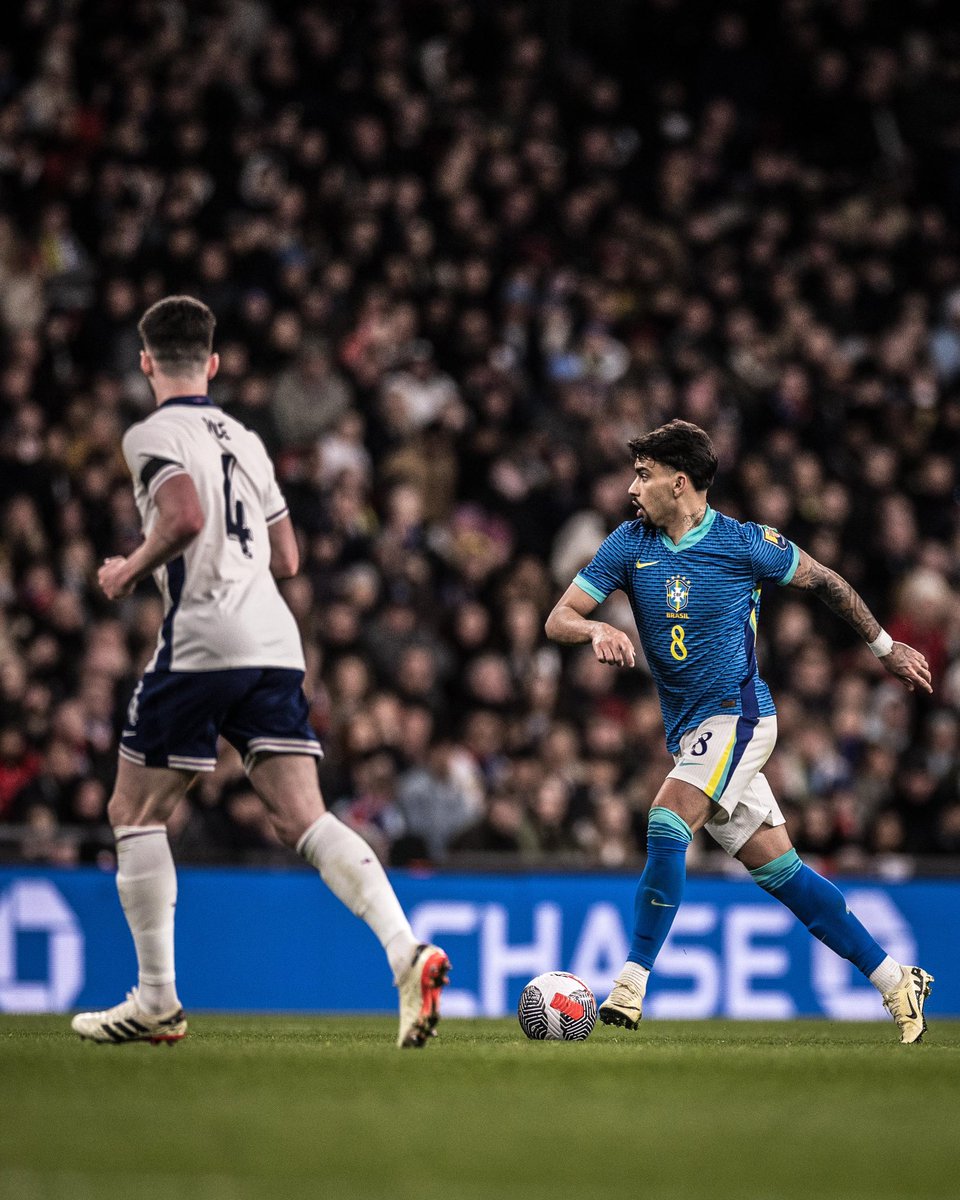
(326, 1107)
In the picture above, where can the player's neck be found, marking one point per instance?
(167, 388)
(688, 517)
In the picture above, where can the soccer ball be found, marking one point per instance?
(557, 1007)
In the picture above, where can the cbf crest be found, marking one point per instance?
(774, 537)
(678, 593)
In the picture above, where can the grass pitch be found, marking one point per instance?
(248, 1108)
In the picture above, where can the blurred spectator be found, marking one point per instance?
(439, 799)
(309, 397)
(925, 605)
(419, 394)
(498, 831)
(371, 806)
(19, 765)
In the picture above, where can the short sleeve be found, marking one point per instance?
(772, 556)
(274, 504)
(607, 570)
(153, 455)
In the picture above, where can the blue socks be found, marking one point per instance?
(660, 889)
(821, 907)
(815, 902)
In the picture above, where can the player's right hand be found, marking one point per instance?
(612, 646)
(909, 666)
(113, 580)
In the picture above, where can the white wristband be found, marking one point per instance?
(882, 644)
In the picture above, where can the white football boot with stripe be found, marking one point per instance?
(127, 1022)
(420, 987)
(905, 1004)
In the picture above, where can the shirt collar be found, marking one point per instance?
(192, 401)
(692, 536)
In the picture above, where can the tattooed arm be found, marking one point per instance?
(907, 664)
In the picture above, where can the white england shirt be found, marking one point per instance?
(222, 608)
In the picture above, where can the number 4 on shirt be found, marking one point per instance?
(236, 526)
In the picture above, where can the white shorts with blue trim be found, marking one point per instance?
(724, 757)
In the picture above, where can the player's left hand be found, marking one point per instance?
(909, 666)
(113, 580)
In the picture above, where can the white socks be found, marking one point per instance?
(352, 871)
(886, 977)
(147, 883)
(633, 973)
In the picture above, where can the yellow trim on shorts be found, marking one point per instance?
(717, 777)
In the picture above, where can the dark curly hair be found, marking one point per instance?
(681, 445)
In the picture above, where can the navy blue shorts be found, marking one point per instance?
(175, 717)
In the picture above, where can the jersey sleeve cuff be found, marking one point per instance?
(593, 592)
(161, 478)
(277, 516)
(792, 569)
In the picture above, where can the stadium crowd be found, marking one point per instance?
(459, 254)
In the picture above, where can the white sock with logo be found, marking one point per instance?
(633, 973)
(352, 871)
(147, 883)
(886, 977)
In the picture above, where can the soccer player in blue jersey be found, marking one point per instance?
(694, 578)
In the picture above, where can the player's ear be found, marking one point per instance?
(679, 484)
(213, 365)
(146, 363)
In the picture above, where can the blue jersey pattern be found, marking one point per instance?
(696, 605)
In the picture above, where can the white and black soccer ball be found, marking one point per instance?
(557, 1007)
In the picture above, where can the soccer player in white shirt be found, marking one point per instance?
(228, 662)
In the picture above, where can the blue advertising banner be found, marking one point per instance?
(279, 941)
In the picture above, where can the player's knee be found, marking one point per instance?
(685, 801)
(667, 830)
(123, 809)
(119, 810)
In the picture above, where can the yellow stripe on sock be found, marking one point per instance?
(714, 781)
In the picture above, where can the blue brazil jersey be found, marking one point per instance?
(696, 605)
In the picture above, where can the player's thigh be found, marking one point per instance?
(722, 756)
(174, 717)
(686, 801)
(763, 846)
(271, 718)
(756, 810)
(270, 727)
(288, 786)
(146, 795)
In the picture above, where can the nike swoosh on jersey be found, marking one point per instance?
(652, 563)
(660, 904)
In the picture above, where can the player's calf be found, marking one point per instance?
(822, 908)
